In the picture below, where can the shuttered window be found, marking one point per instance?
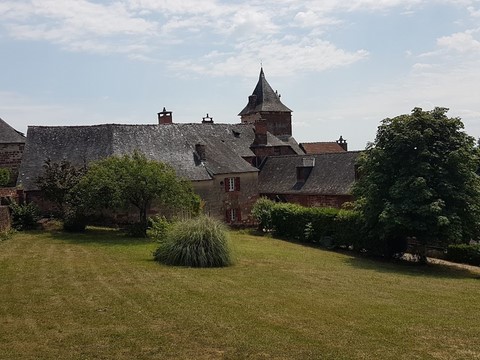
(233, 216)
(232, 184)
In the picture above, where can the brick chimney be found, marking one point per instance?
(201, 152)
(207, 120)
(165, 117)
(260, 133)
(343, 143)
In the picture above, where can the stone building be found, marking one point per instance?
(217, 158)
(12, 144)
(264, 105)
(229, 165)
(309, 180)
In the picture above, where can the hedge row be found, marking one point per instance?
(327, 226)
(464, 253)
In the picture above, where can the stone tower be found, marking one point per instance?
(264, 104)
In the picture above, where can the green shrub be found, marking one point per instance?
(4, 177)
(158, 227)
(24, 217)
(199, 242)
(303, 224)
(288, 221)
(262, 212)
(74, 221)
(6, 234)
(349, 229)
(464, 253)
(136, 230)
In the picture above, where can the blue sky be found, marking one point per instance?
(341, 66)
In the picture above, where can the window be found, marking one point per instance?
(232, 184)
(233, 215)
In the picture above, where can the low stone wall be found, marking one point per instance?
(9, 193)
(5, 220)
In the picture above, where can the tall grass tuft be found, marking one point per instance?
(198, 242)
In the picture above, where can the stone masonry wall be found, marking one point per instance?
(218, 201)
(5, 221)
(10, 158)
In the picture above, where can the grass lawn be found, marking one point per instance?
(99, 295)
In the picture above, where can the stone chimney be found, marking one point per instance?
(207, 120)
(201, 152)
(343, 143)
(260, 133)
(304, 170)
(165, 117)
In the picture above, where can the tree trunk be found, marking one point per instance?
(143, 220)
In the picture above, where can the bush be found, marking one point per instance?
(24, 217)
(4, 177)
(464, 253)
(199, 242)
(158, 227)
(289, 220)
(302, 223)
(6, 234)
(349, 229)
(262, 212)
(74, 221)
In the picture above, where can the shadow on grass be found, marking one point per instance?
(100, 236)
(393, 266)
(408, 268)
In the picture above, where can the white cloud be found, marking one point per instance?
(462, 41)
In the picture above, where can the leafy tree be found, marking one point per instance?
(57, 182)
(418, 179)
(4, 176)
(133, 180)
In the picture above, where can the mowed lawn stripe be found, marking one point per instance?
(100, 295)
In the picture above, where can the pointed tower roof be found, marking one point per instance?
(263, 98)
(9, 135)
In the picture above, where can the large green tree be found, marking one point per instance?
(57, 181)
(419, 179)
(134, 180)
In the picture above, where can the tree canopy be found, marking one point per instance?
(134, 180)
(419, 179)
(57, 182)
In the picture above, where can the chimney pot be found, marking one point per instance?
(343, 143)
(165, 117)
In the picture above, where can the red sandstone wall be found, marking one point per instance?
(10, 158)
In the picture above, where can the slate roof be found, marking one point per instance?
(225, 145)
(321, 147)
(333, 174)
(9, 135)
(266, 99)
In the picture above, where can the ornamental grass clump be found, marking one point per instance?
(199, 242)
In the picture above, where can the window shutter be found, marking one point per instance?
(239, 215)
(225, 181)
(227, 216)
(237, 184)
